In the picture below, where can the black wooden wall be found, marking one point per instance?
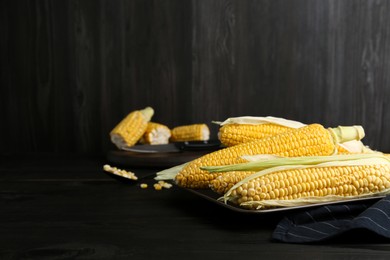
(70, 70)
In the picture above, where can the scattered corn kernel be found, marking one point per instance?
(144, 185)
(120, 172)
(162, 184)
(157, 186)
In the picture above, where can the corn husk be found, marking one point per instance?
(253, 120)
(261, 162)
(170, 173)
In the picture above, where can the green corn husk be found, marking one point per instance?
(170, 173)
(258, 120)
(260, 162)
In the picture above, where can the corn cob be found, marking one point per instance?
(312, 140)
(156, 133)
(131, 128)
(194, 132)
(233, 174)
(238, 130)
(234, 134)
(300, 185)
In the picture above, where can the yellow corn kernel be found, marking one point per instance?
(156, 133)
(233, 134)
(224, 182)
(375, 177)
(164, 184)
(157, 186)
(194, 132)
(342, 150)
(131, 128)
(309, 140)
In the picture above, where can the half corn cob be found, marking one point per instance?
(131, 128)
(194, 132)
(312, 182)
(156, 133)
(309, 140)
(237, 130)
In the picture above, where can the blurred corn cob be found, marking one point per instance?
(309, 140)
(156, 133)
(194, 132)
(335, 178)
(131, 128)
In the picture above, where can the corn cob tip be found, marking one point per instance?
(148, 113)
(347, 133)
(360, 131)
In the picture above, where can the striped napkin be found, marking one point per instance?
(327, 222)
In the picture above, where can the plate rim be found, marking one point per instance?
(204, 194)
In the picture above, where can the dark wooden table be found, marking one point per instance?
(66, 207)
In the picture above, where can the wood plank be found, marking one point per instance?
(90, 216)
(72, 70)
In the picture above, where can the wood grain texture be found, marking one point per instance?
(71, 70)
(65, 207)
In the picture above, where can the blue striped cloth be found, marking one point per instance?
(326, 222)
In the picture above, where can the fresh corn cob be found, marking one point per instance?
(223, 183)
(233, 134)
(233, 174)
(303, 184)
(309, 140)
(237, 130)
(131, 128)
(194, 132)
(156, 133)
